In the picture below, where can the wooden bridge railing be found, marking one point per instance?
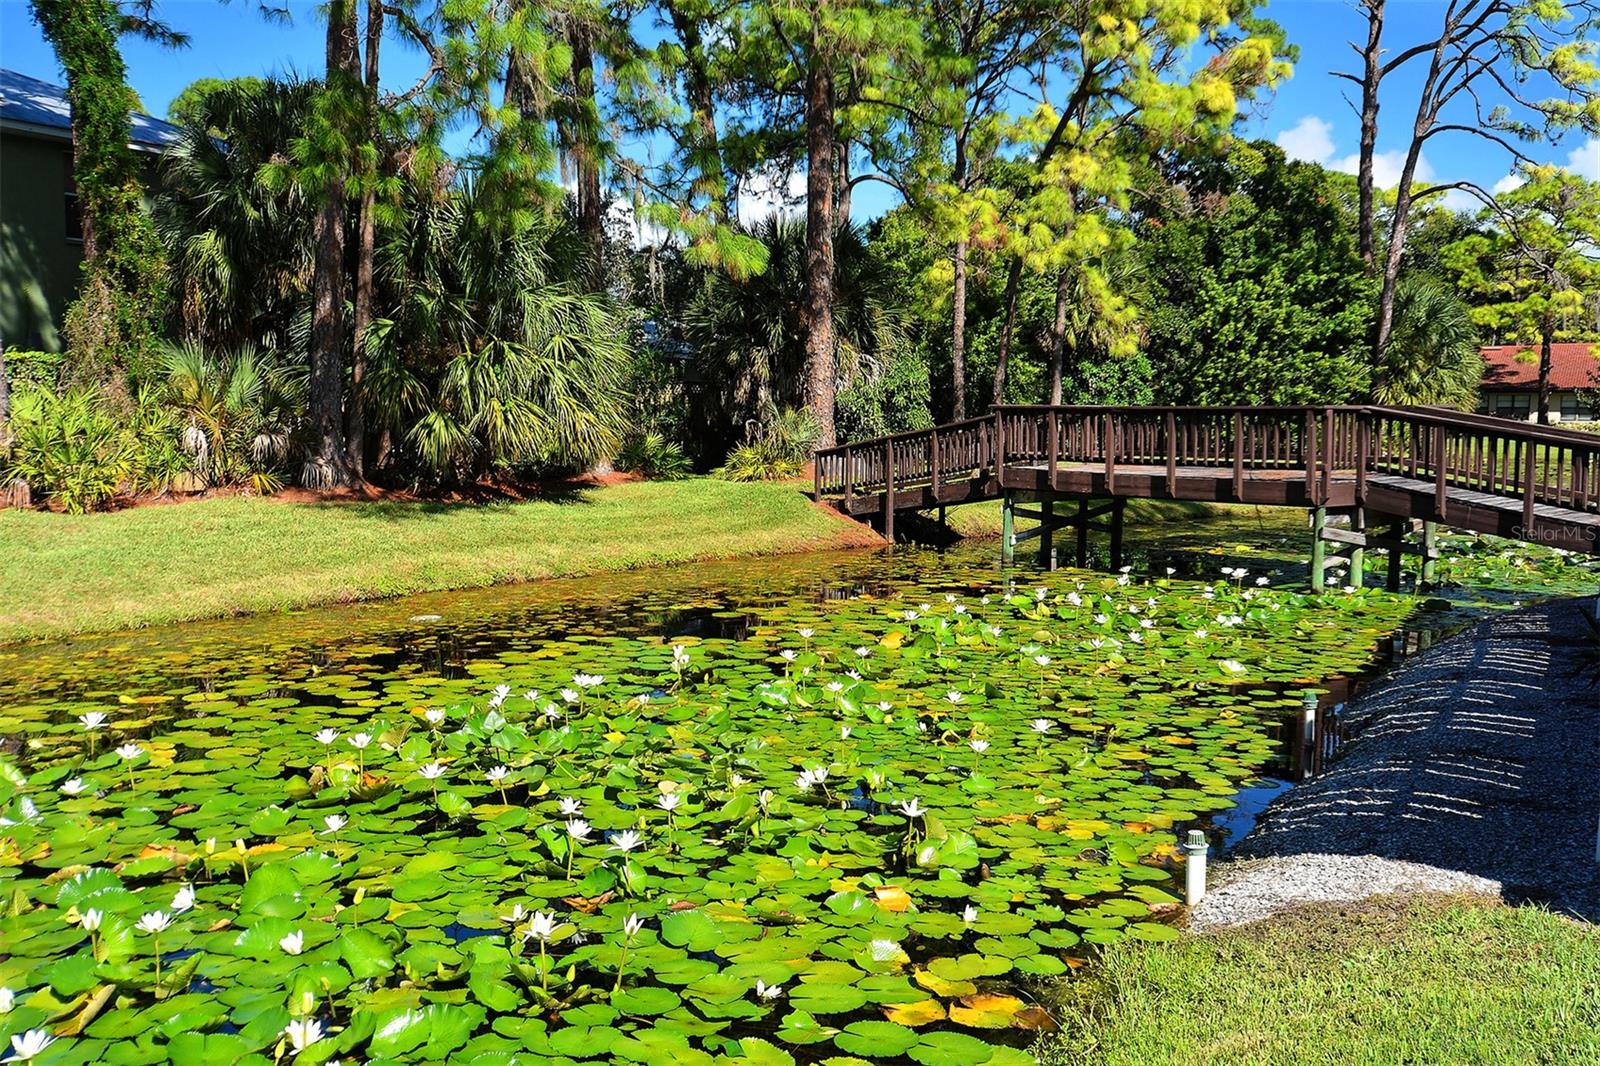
(1535, 465)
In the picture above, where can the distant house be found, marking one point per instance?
(41, 235)
(1511, 382)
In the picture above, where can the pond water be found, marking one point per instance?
(844, 807)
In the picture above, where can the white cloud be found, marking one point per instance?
(762, 194)
(1310, 139)
(1507, 183)
(1584, 160)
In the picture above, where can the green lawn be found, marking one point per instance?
(62, 574)
(1421, 982)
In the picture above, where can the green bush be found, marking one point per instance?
(653, 456)
(69, 447)
(896, 401)
(40, 370)
(777, 452)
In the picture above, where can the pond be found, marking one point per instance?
(839, 808)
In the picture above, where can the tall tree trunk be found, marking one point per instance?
(705, 153)
(585, 150)
(366, 242)
(820, 353)
(1013, 283)
(1547, 330)
(958, 331)
(1371, 57)
(1058, 336)
(326, 467)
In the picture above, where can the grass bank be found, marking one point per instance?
(64, 574)
(1418, 981)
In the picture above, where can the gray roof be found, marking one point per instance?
(39, 107)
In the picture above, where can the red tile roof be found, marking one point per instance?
(1516, 366)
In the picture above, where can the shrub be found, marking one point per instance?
(69, 447)
(653, 456)
(777, 452)
(40, 370)
(895, 401)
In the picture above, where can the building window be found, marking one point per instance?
(1576, 407)
(73, 210)
(1516, 405)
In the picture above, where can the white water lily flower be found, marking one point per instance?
(8, 999)
(497, 774)
(326, 736)
(359, 740)
(532, 695)
(571, 806)
(334, 822)
(844, 732)
(883, 950)
(579, 830)
(969, 915)
(737, 780)
(1136, 636)
(913, 808)
(302, 1033)
(1040, 594)
(669, 802)
(93, 719)
(92, 919)
(1202, 633)
(911, 616)
(835, 686)
(788, 655)
(979, 746)
(293, 943)
(1042, 725)
(184, 898)
(766, 991)
(570, 695)
(498, 696)
(25, 1046)
(804, 781)
(952, 696)
(434, 716)
(130, 752)
(1100, 619)
(885, 706)
(1233, 666)
(74, 786)
(626, 841)
(551, 711)
(1263, 580)
(518, 913)
(542, 925)
(632, 924)
(806, 632)
(431, 772)
(1042, 660)
(154, 922)
(959, 608)
(587, 680)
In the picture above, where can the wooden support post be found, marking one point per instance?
(1238, 456)
(1083, 531)
(849, 480)
(1430, 554)
(1358, 552)
(888, 491)
(1441, 484)
(1172, 454)
(1008, 526)
(1118, 506)
(1397, 536)
(933, 463)
(1110, 443)
(1047, 529)
(1319, 549)
(1052, 430)
(816, 479)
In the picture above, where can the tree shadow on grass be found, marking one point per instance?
(411, 509)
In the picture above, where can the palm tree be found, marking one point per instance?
(480, 357)
(749, 335)
(237, 230)
(240, 411)
(1432, 358)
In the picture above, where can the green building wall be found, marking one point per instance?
(38, 263)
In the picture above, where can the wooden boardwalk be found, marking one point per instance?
(1408, 470)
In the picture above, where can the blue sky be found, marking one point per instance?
(1308, 115)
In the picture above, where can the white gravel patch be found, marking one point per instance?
(1255, 889)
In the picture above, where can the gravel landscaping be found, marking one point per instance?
(1476, 768)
